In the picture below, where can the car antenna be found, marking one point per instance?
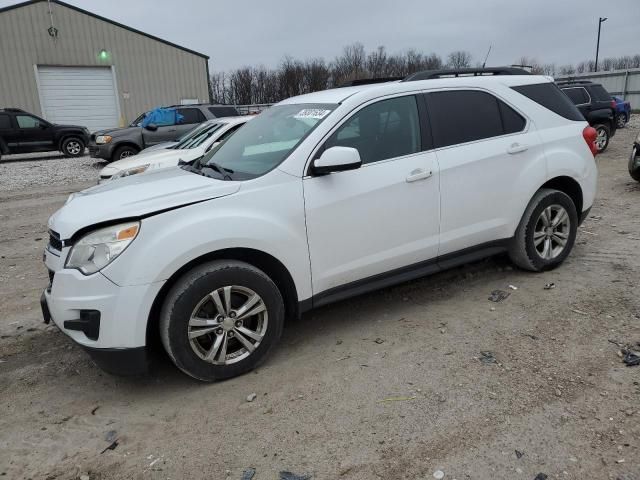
(484, 64)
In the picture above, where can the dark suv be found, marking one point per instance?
(23, 132)
(118, 143)
(596, 105)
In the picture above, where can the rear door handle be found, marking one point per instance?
(419, 174)
(517, 148)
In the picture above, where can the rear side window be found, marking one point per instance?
(551, 97)
(5, 122)
(191, 115)
(220, 112)
(385, 129)
(466, 116)
(512, 121)
(578, 95)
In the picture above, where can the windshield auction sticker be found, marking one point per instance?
(315, 113)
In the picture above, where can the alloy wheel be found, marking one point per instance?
(228, 325)
(125, 154)
(551, 232)
(73, 148)
(601, 139)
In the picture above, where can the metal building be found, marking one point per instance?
(71, 66)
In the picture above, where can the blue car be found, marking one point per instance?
(623, 111)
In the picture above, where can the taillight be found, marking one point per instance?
(589, 134)
(614, 105)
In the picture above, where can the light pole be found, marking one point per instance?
(600, 21)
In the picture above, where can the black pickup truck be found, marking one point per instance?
(23, 132)
(596, 105)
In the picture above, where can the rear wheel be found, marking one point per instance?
(603, 134)
(546, 233)
(123, 152)
(72, 147)
(634, 163)
(221, 320)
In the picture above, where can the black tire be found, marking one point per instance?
(634, 164)
(123, 152)
(621, 120)
(606, 132)
(189, 293)
(72, 147)
(523, 251)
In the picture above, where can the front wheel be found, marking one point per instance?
(546, 233)
(72, 147)
(603, 135)
(221, 320)
(123, 152)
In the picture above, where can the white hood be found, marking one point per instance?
(155, 158)
(136, 196)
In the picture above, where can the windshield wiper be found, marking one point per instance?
(225, 172)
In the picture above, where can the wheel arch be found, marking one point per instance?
(270, 265)
(568, 186)
(68, 135)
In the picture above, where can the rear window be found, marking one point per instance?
(219, 112)
(600, 93)
(551, 97)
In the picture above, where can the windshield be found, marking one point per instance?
(198, 136)
(138, 121)
(264, 142)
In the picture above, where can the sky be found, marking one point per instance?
(262, 32)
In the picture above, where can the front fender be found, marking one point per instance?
(267, 218)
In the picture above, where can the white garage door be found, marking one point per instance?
(82, 96)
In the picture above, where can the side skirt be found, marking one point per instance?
(405, 274)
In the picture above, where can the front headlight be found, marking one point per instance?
(130, 171)
(98, 249)
(102, 139)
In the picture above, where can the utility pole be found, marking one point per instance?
(600, 21)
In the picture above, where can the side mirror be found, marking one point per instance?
(152, 127)
(337, 159)
(43, 126)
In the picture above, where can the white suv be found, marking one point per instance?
(321, 197)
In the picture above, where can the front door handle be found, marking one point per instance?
(419, 174)
(517, 148)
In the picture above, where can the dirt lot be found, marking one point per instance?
(385, 386)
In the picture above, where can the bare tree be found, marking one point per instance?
(293, 77)
(459, 59)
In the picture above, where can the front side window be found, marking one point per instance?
(27, 121)
(386, 129)
(266, 141)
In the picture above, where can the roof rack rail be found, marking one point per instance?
(367, 81)
(464, 72)
(574, 82)
(12, 109)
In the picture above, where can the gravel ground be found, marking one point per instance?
(390, 385)
(18, 172)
